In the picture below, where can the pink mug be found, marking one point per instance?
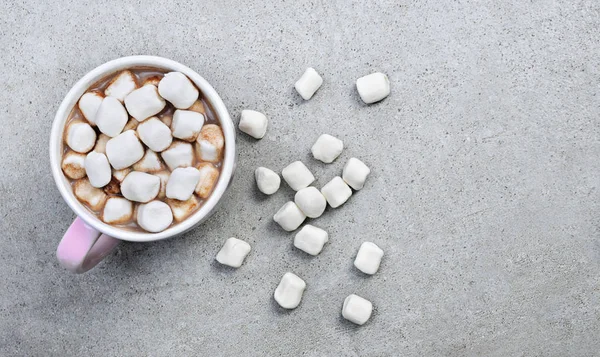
(88, 240)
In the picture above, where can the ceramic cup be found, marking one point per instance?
(88, 240)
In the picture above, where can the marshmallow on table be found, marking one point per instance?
(97, 169)
(120, 86)
(120, 175)
(268, 181)
(149, 163)
(297, 175)
(132, 124)
(155, 134)
(373, 88)
(73, 165)
(308, 84)
(368, 258)
(179, 154)
(289, 291)
(80, 137)
(289, 216)
(198, 107)
(233, 252)
(182, 183)
(144, 102)
(164, 178)
(140, 187)
(209, 175)
(154, 80)
(91, 196)
(89, 104)
(117, 210)
(357, 309)
(327, 148)
(336, 192)
(124, 150)
(186, 124)
(178, 89)
(111, 117)
(355, 173)
(253, 123)
(183, 209)
(210, 143)
(311, 239)
(101, 143)
(311, 202)
(155, 216)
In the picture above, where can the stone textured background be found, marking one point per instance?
(484, 192)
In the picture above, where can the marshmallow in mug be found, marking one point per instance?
(182, 183)
(154, 216)
(73, 165)
(178, 90)
(91, 196)
(124, 150)
(97, 169)
(121, 85)
(140, 187)
(210, 143)
(144, 102)
(155, 134)
(80, 137)
(209, 175)
(179, 154)
(117, 210)
(149, 163)
(186, 124)
(89, 104)
(111, 117)
(182, 209)
(288, 293)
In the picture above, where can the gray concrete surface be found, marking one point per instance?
(484, 193)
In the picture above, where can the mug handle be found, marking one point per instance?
(82, 247)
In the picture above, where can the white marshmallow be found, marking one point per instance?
(155, 134)
(183, 209)
(120, 86)
(117, 211)
(253, 123)
(182, 183)
(311, 202)
(179, 154)
(368, 258)
(120, 175)
(144, 102)
(155, 216)
(268, 181)
(327, 148)
(297, 175)
(186, 124)
(355, 173)
(149, 163)
(356, 309)
(373, 88)
(336, 192)
(91, 196)
(80, 137)
(233, 252)
(164, 178)
(210, 143)
(140, 187)
(101, 143)
(97, 169)
(308, 84)
(289, 291)
(124, 150)
(111, 117)
(73, 165)
(311, 239)
(289, 216)
(178, 89)
(209, 175)
(89, 104)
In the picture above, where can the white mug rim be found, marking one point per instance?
(70, 101)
